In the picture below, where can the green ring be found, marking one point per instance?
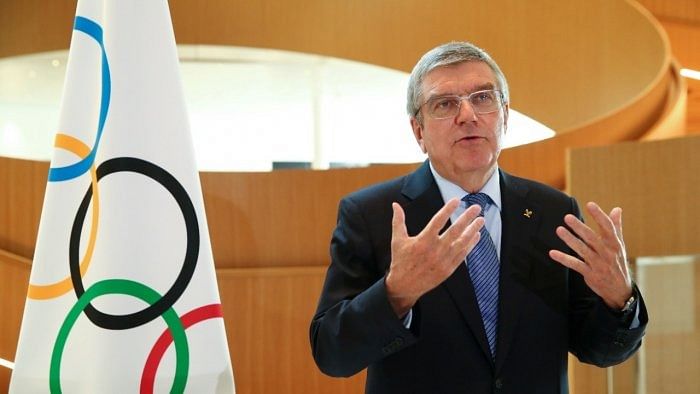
(135, 289)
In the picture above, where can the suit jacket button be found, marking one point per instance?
(498, 383)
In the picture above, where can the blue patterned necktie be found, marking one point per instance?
(483, 266)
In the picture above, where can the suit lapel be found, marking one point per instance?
(426, 200)
(520, 220)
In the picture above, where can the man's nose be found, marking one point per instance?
(466, 112)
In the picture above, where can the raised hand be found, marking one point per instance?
(420, 263)
(602, 259)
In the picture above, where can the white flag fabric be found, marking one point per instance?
(123, 295)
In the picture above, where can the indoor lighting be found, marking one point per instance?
(688, 73)
(6, 364)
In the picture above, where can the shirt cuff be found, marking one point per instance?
(409, 317)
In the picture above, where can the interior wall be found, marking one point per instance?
(22, 185)
(657, 184)
(14, 275)
(685, 44)
(563, 82)
(686, 11)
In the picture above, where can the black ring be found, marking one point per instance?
(123, 322)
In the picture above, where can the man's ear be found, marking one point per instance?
(505, 117)
(418, 133)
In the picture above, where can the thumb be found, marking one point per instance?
(398, 222)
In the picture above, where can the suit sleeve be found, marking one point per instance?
(354, 324)
(597, 334)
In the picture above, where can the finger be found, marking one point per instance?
(398, 222)
(468, 238)
(569, 261)
(462, 222)
(616, 217)
(440, 218)
(603, 221)
(575, 243)
(584, 233)
(611, 236)
(460, 248)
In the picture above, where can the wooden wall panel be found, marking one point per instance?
(544, 161)
(685, 45)
(280, 218)
(670, 354)
(673, 122)
(35, 25)
(5, 379)
(22, 185)
(14, 279)
(267, 314)
(693, 111)
(657, 184)
(671, 358)
(687, 11)
(685, 42)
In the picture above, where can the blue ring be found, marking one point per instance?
(59, 174)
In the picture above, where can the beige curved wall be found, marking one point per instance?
(598, 70)
(568, 62)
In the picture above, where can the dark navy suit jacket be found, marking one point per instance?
(545, 309)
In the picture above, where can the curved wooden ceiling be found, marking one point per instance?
(568, 62)
(598, 71)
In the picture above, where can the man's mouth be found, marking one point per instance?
(469, 138)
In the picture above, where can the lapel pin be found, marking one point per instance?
(527, 213)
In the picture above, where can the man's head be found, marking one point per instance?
(445, 55)
(458, 104)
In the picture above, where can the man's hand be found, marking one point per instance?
(420, 263)
(604, 265)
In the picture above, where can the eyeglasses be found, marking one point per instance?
(483, 102)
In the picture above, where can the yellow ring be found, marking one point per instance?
(44, 292)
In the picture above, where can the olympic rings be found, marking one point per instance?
(122, 322)
(158, 305)
(135, 289)
(58, 174)
(161, 346)
(56, 289)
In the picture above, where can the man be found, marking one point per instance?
(460, 278)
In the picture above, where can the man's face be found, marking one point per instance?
(467, 144)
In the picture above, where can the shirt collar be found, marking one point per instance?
(449, 190)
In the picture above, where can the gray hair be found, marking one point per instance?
(445, 55)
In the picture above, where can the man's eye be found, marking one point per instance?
(445, 103)
(483, 98)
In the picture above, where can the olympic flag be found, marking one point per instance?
(122, 295)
